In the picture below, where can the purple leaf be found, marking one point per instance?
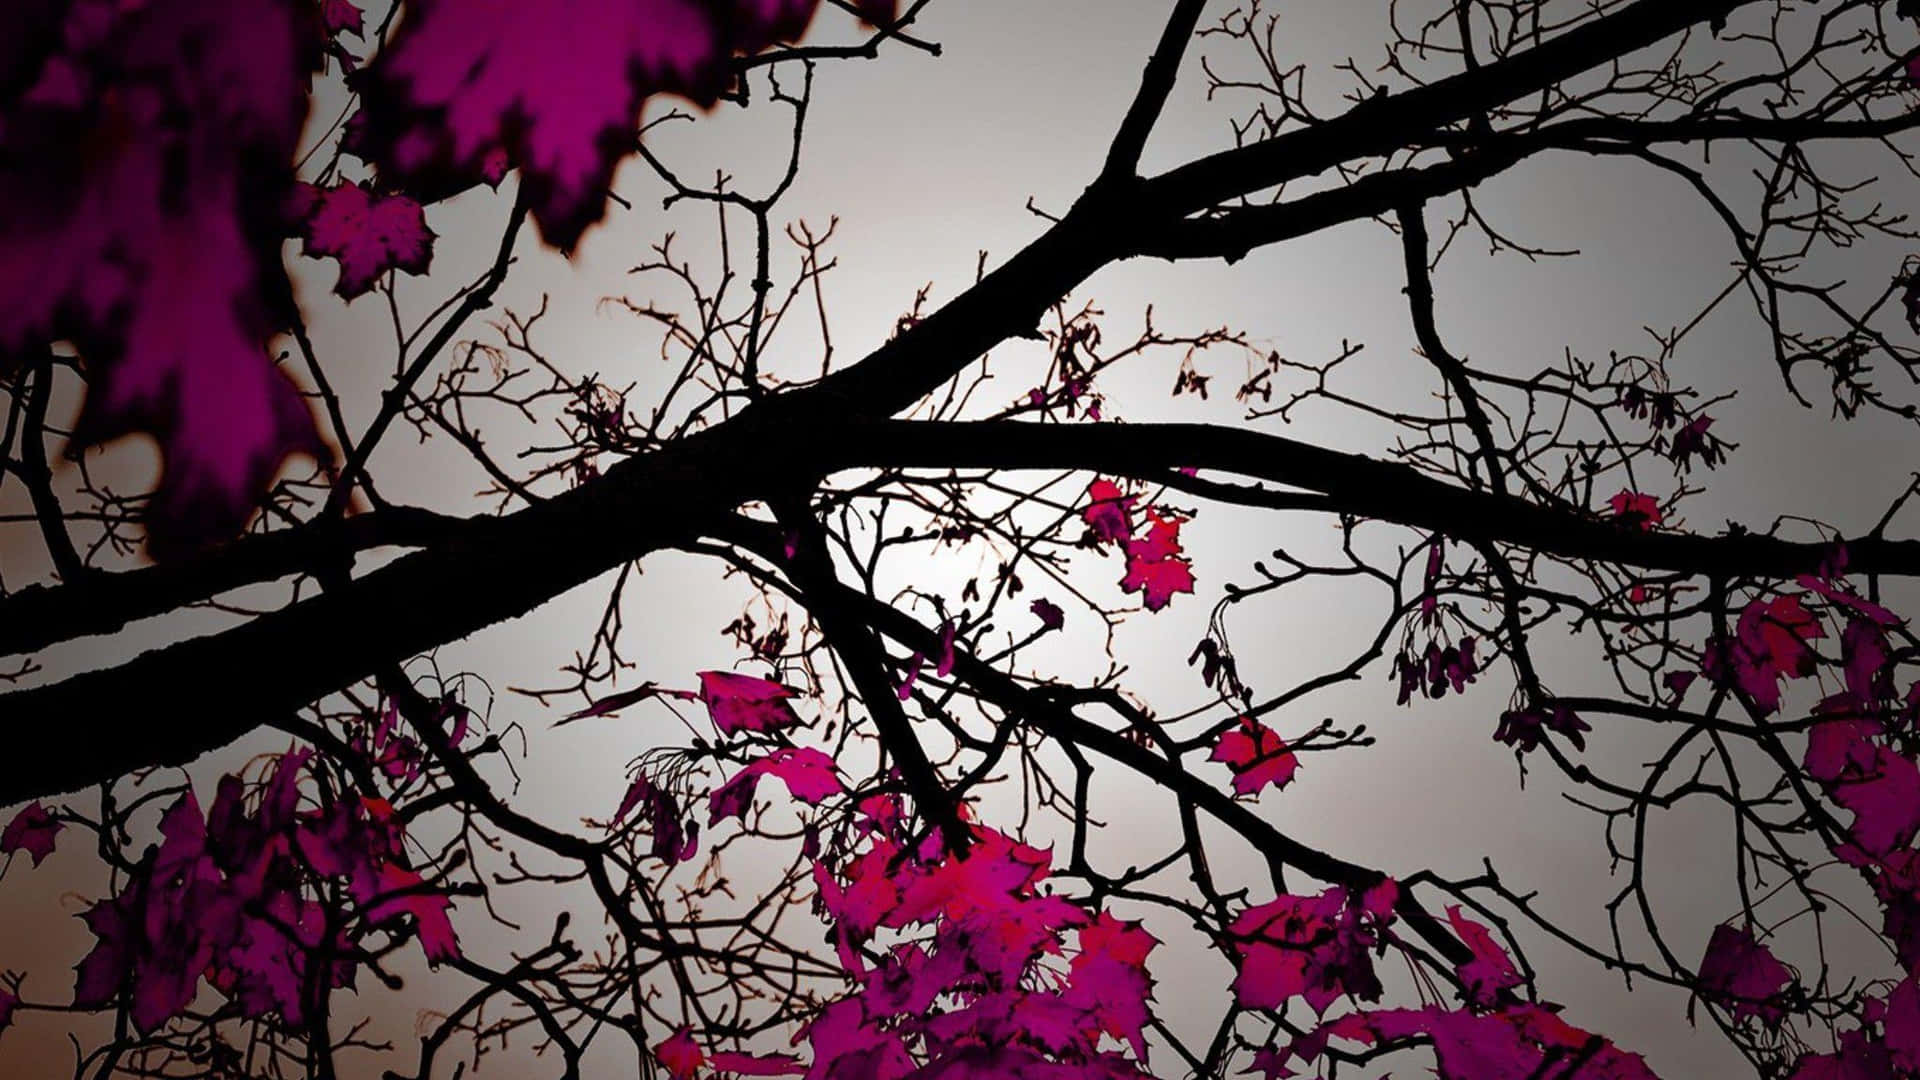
(32, 830)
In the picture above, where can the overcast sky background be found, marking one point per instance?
(928, 161)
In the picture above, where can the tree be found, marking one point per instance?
(929, 583)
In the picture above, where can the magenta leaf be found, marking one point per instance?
(1155, 567)
(1634, 510)
(1880, 785)
(734, 798)
(679, 1055)
(730, 1063)
(1522, 1042)
(1257, 757)
(1491, 970)
(673, 841)
(342, 17)
(1315, 947)
(369, 234)
(32, 830)
(457, 87)
(1769, 644)
(743, 703)
(154, 243)
(1109, 513)
(613, 703)
(1742, 975)
(810, 776)
(1049, 613)
(1108, 978)
(1860, 1057)
(1902, 1024)
(400, 891)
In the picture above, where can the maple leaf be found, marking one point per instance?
(342, 17)
(1109, 514)
(745, 703)
(265, 970)
(1491, 970)
(672, 841)
(369, 234)
(1049, 614)
(32, 830)
(1316, 947)
(1108, 978)
(1902, 1024)
(847, 1047)
(1635, 510)
(1860, 1057)
(1865, 652)
(1769, 644)
(1827, 585)
(1270, 1062)
(734, 798)
(810, 776)
(1880, 786)
(1521, 1042)
(679, 1055)
(153, 243)
(1156, 569)
(728, 1062)
(8, 1003)
(400, 891)
(613, 703)
(1257, 757)
(559, 94)
(1743, 975)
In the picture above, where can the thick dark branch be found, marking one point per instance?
(1393, 122)
(1107, 222)
(812, 570)
(168, 706)
(1163, 69)
(105, 602)
(104, 724)
(1231, 234)
(1352, 483)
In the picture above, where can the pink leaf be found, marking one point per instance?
(561, 96)
(341, 17)
(1049, 614)
(1257, 757)
(679, 1055)
(1635, 510)
(1155, 567)
(756, 1064)
(744, 703)
(1491, 970)
(367, 233)
(1109, 512)
(153, 243)
(1742, 975)
(32, 830)
(613, 703)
